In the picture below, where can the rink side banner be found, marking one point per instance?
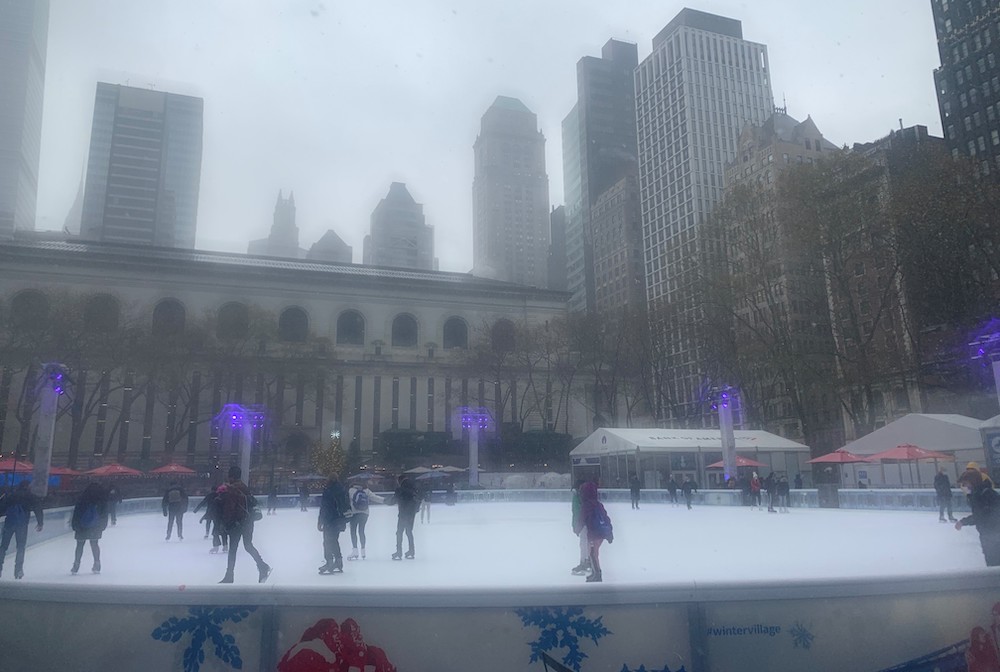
(894, 633)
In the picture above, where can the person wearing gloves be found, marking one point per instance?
(360, 497)
(985, 504)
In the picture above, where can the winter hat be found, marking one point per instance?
(972, 465)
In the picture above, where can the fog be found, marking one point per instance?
(337, 100)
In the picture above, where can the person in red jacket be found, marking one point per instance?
(598, 525)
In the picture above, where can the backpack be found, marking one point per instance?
(360, 500)
(89, 516)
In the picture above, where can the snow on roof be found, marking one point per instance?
(621, 441)
(942, 432)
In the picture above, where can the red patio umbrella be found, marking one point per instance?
(841, 456)
(63, 471)
(174, 469)
(740, 462)
(10, 465)
(113, 469)
(907, 452)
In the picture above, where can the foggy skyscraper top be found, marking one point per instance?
(23, 40)
(144, 170)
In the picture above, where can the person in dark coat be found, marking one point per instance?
(633, 487)
(985, 504)
(772, 492)
(114, 499)
(212, 504)
(672, 489)
(408, 503)
(18, 507)
(237, 523)
(781, 487)
(175, 504)
(942, 486)
(599, 528)
(798, 481)
(688, 487)
(272, 501)
(90, 519)
(304, 497)
(334, 510)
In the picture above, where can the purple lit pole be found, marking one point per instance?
(987, 348)
(474, 420)
(51, 385)
(723, 404)
(244, 420)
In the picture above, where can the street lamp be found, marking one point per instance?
(51, 385)
(474, 420)
(722, 401)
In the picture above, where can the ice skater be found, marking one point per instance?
(213, 518)
(304, 497)
(755, 501)
(633, 486)
(688, 487)
(985, 504)
(237, 522)
(783, 493)
(598, 525)
(90, 519)
(272, 501)
(580, 530)
(361, 497)
(942, 486)
(407, 501)
(175, 504)
(334, 510)
(114, 499)
(18, 507)
(425, 503)
(672, 489)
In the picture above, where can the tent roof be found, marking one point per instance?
(621, 441)
(943, 432)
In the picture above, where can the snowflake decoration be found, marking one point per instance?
(801, 636)
(562, 627)
(205, 624)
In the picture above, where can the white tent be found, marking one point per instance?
(958, 435)
(654, 453)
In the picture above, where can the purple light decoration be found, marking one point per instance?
(56, 375)
(475, 418)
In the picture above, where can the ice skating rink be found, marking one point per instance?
(525, 545)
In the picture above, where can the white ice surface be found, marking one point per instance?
(531, 544)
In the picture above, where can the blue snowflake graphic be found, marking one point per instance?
(562, 627)
(801, 636)
(205, 624)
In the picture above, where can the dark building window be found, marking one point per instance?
(456, 333)
(502, 336)
(293, 325)
(350, 328)
(168, 318)
(101, 313)
(404, 332)
(29, 310)
(234, 321)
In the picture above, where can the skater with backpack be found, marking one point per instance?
(175, 504)
(599, 528)
(90, 519)
(239, 511)
(18, 507)
(580, 530)
(360, 497)
(334, 510)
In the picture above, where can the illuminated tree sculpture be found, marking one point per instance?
(328, 459)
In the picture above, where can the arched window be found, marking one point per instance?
(404, 331)
(168, 318)
(456, 333)
(293, 325)
(234, 321)
(29, 310)
(350, 328)
(502, 336)
(100, 313)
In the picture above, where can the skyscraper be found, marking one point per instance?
(399, 237)
(599, 149)
(968, 81)
(284, 238)
(144, 170)
(694, 93)
(510, 196)
(24, 26)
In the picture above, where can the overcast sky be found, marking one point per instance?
(336, 100)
